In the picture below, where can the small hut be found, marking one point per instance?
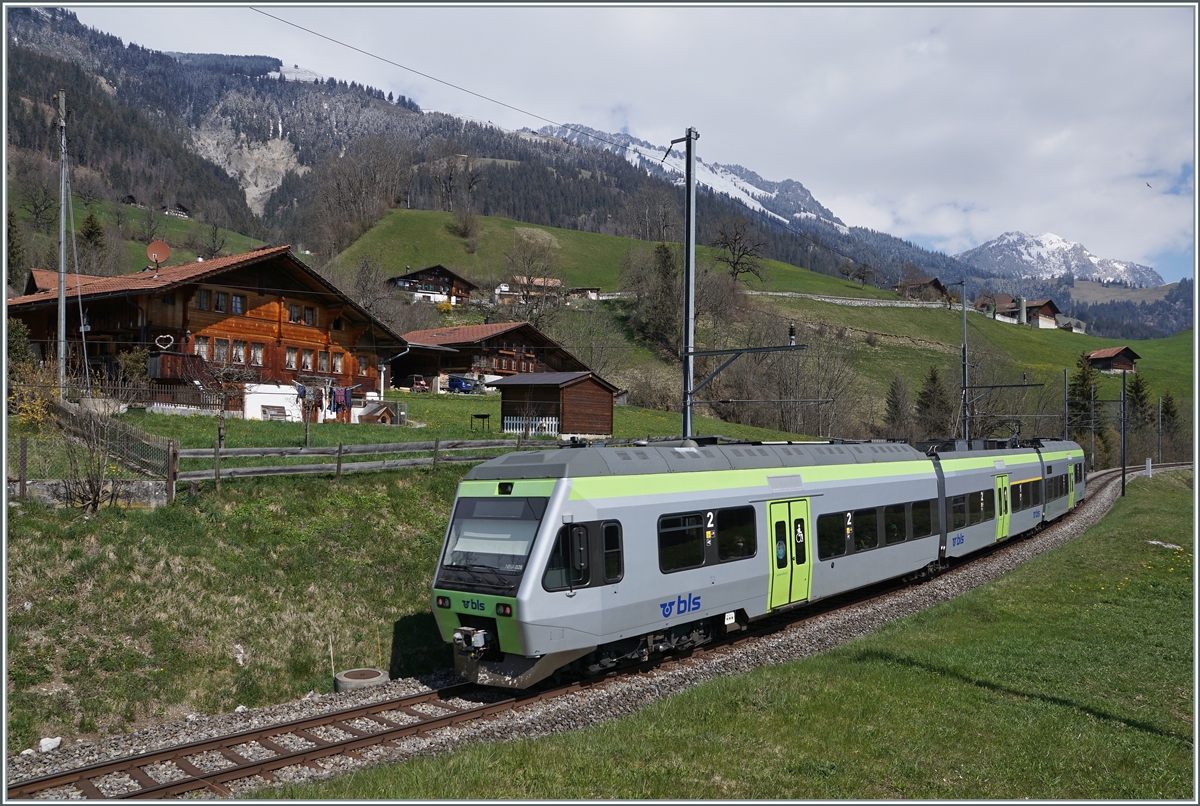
(566, 404)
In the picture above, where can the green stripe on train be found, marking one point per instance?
(590, 487)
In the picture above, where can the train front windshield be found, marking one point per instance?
(493, 534)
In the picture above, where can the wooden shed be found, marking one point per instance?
(561, 403)
(1113, 359)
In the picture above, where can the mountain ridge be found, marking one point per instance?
(1020, 255)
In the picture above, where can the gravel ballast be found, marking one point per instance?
(620, 696)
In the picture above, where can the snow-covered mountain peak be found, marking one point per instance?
(1020, 255)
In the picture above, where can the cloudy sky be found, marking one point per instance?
(944, 126)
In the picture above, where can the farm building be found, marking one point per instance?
(567, 404)
(435, 284)
(1113, 359)
(1039, 313)
(487, 351)
(925, 288)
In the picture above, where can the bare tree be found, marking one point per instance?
(741, 253)
(92, 438)
(355, 190)
(533, 262)
(89, 185)
(225, 375)
(37, 188)
(213, 241)
(654, 213)
(858, 271)
(590, 333)
(149, 225)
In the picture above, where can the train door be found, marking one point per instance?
(789, 530)
(1070, 486)
(1002, 508)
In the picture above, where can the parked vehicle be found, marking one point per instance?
(416, 383)
(464, 386)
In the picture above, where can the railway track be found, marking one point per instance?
(212, 764)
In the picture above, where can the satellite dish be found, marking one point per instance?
(158, 252)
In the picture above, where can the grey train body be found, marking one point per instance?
(595, 557)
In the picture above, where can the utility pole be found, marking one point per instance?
(689, 276)
(61, 97)
(1160, 429)
(966, 434)
(1065, 433)
(1122, 432)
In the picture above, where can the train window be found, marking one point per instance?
(1035, 494)
(831, 535)
(781, 538)
(1078, 472)
(1018, 497)
(958, 512)
(989, 504)
(975, 508)
(924, 518)
(680, 542)
(613, 566)
(893, 524)
(735, 533)
(560, 575)
(866, 529)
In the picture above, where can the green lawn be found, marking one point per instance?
(1069, 678)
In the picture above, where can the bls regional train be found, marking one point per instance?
(587, 558)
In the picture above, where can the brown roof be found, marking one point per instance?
(548, 282)
(43, 280)
(439, 267)
(559, 379)
(150, 280)
(1111, 352)
(466, 334)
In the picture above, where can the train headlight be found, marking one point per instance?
(503, 610)
(443, 601)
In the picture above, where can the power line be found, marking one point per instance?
(780, 221)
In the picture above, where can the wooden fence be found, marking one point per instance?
(441, 450)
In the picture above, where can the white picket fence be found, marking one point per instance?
(532, 425)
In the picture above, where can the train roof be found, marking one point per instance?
(677, 457)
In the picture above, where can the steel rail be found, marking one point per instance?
(81, 778)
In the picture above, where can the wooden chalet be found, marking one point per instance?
(564, 404)
(1039, 313)
(264, 310)
(491, 350)
(1113, 359)
(436, 284)
(924, 288)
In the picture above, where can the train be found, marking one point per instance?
(583, 559)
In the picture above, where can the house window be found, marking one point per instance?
(168, 299)
(200, 347)
(337, 323)
(310, 316)
(256, 354)
(222, 351)
(222, 304)
(203, 299)
(290, 358)
(239, 304)
(306, 360)
(323, 361)
(239, 352)
(364, 364)
(337, 362)
(293, 313)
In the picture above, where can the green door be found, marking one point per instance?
(789, 532)
(1001, 507)
(1071, 485)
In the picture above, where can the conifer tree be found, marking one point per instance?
(92, 231)
(16, 245)
(898, 413)
(1139, 410)
(933, 406)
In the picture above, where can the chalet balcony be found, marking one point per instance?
(167, 366)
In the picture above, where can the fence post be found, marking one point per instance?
(172, 469)
(24, 461)
(217, 463)
(339, 462)
(436, 442)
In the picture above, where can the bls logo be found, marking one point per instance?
(472, 604)
(681, 605)
(958, 540)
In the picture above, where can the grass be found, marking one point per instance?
(1069, 678)
(139, 615)
(420, 238)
